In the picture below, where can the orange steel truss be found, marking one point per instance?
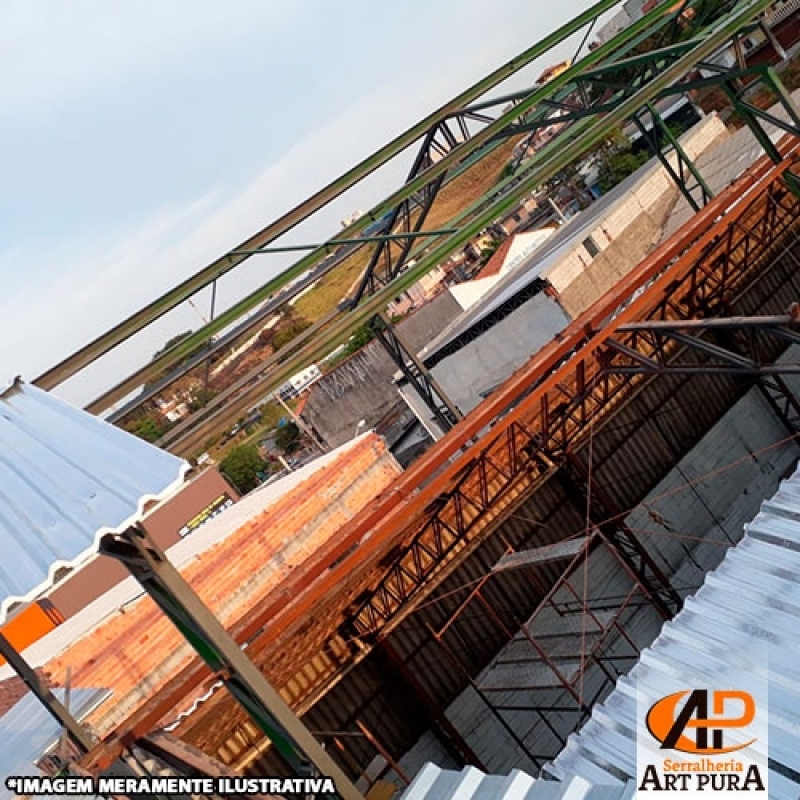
(357, 588)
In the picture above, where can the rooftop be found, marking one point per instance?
(123, 642)
(66, 478)
(744, 621)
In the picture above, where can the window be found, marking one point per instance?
(591, 247)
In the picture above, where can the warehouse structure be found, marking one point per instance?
(672, 385)
(755, 589)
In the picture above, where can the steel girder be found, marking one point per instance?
(449, 500)
(414, 371)
(190, 434)
(650, 348)
(582, 389)
(273, 231)
(458, 113)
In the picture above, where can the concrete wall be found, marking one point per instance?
(362, 387)
(478, 367)
(688, 522)
(630, 228)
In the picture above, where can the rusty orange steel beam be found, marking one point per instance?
(698, 231)
(405, 505)
(398, 509)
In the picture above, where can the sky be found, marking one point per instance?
(141, 139)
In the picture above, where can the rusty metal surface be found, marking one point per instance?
(389, 558)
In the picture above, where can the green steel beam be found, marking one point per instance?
(631, 36)
(388, 237)
(86, 355)
(185, 439)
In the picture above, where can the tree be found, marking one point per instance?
(285, 335)
(362, 336)
(200, 398)
(170, 343)
(617, 166)
(242, 465)
(287, 437)
(150, 427)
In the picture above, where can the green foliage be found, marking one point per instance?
(615, 167)
(271, 413)
(506, 172)
(287, 437)
(201, 398)
(150, 427)
(291, 331)
(489, 251)
(361, 336)
(242, 465)
(170, 343)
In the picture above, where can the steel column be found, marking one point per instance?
(415, 372)
(170, 591)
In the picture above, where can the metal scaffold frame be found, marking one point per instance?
(534, 654)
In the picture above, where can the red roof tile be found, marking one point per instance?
(136, 650)
(12, 690)
(495, 263)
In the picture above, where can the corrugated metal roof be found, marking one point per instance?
(28, 731)
(66, 477)
(752, 600)
(433, 783)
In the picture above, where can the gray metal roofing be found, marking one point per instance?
(66, 477)
(433, 783)
(751, 600)
(27, 731)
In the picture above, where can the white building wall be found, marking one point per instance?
(653, 186)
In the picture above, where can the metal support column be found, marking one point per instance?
(753, 117)
(167, 587)
(656, 137)
(443, 409)
(76, 732)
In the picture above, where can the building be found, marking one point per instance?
(509, 256)
(122, 642)
(538, 282)
(299, 382)
(361, 387)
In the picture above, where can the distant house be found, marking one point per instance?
(514, 252)
(425, 289)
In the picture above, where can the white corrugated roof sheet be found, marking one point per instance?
(66, 477)
(752, 600)
(433, 783)
(27, 731)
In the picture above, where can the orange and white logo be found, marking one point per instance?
(699, 726)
